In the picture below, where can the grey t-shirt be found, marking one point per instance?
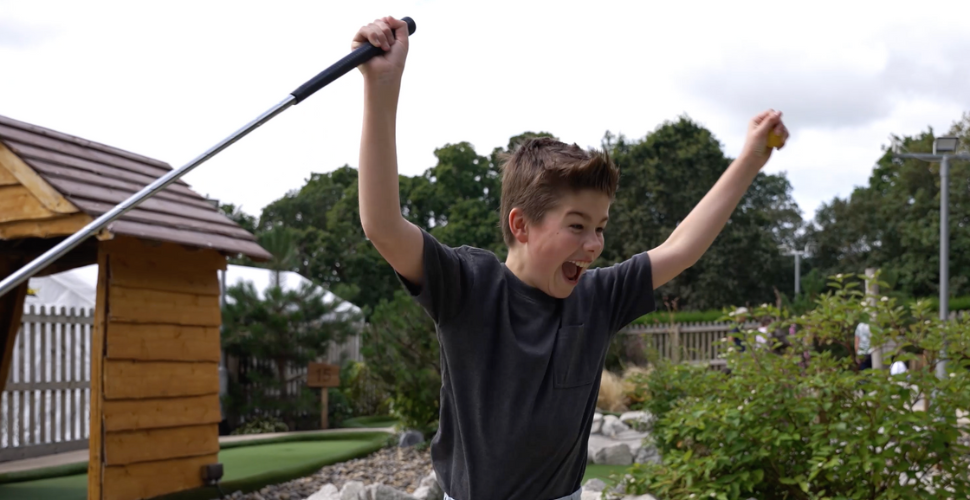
(520, 370)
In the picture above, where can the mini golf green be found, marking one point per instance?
(370, 422)
(250, 466)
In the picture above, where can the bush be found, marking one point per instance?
(261, 425)
(401, 349)
(365, 391)
(804, 422)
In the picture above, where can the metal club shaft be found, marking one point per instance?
(357, 57)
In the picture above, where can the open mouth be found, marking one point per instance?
(573, 269)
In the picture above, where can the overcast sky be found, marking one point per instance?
(170, 79)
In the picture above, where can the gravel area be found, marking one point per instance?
(401, 468)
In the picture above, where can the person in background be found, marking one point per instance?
(862, 348)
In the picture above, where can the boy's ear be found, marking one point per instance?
(519, 225)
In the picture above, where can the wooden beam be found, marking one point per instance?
(129, 447)
(45, 193)
(135, 305)
(152, 479)
(134, 414)
(96, 439)
(165, 273)
(150, 342)
(11, 310)
(18, 203)
(168, 254)
(6, 178)
(61, 225)
(159, 379)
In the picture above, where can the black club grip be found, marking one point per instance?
(359, 56)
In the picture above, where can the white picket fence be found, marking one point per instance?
(45, 404)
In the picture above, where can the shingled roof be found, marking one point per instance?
(95, 178)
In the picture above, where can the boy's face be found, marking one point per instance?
(567, 241)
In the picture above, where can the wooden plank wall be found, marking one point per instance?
(156, 355)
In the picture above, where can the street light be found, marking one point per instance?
(944, 150)
(798, 264)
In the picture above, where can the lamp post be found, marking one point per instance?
(798, 265)
(944, 150)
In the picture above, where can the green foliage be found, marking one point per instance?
(364, 389)
(784, 425)
(287, 330)
(261, 425)
(400, 346)
(339, 407)
(663, 177)
(893, 222)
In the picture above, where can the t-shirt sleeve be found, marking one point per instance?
(443, 288)
(627, 288)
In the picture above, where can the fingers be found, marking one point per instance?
(380, 33)
(767, 120)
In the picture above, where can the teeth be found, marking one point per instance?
(583, 265)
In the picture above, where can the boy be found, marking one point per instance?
(523, 343)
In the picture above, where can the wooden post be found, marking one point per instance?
(324, 376)
(324, 421)
(155, 375)
(11, 312)
(675, 342)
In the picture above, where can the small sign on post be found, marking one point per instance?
(323, 376)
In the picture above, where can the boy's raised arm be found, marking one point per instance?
(697, 231)
(396, 239)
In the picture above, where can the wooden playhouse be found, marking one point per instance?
(154, 407)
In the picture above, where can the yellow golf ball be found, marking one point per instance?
(774, 140)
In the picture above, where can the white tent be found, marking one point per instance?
(75, 288)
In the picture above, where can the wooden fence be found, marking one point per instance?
(687, 342)
(45, 405)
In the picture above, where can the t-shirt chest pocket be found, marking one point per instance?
(575, 358)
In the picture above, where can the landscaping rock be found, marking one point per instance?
(617, 454)
(638, 420)
(648, 454)
(328, 492)
(410, 438)
(597, 423)
(613, 426)
(429, 489)
(383, 492)
(594, 485)
(351, 490)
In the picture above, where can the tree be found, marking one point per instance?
(401, 349)
(288, 328)
(893, 222)
(662, 178)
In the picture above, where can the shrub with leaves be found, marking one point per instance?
(261, 425)
(803, 422)
(365, 391)
(401, 348)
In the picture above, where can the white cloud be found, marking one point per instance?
(170, 80)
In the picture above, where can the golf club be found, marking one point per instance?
(358, 56)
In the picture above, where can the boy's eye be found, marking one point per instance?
(600, 230)
(578, 227)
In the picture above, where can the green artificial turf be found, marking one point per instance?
(247, 466)
(370, 422)
(603, 472)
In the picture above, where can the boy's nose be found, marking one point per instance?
(593, 244)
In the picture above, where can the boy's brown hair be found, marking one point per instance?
(541, 170)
